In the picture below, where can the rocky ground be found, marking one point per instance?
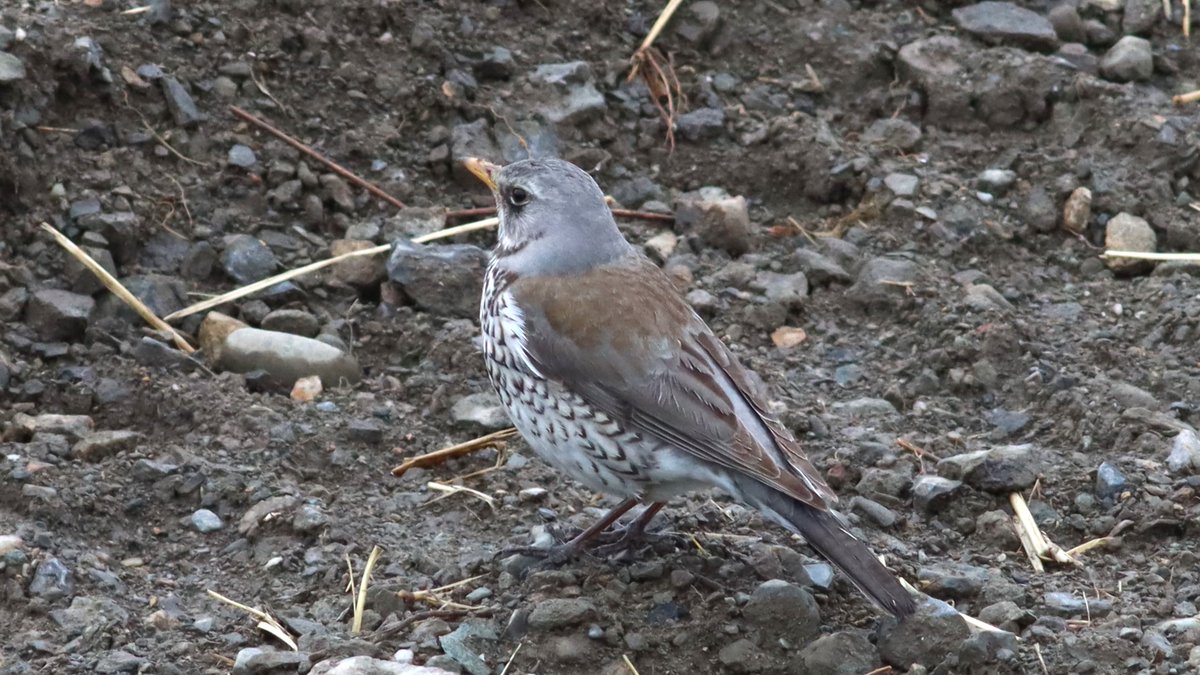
(893, 211)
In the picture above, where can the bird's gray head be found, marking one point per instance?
(553, 217)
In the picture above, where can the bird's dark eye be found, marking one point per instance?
(518, 196)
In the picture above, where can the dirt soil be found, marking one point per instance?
(905, 173)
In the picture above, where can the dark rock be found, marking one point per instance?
(88, 612)
(820, 269)
(702, 124)
(180, 103)
(1110, 482)
(156, 354)
(366, 431)
(82, 279)
(1073, 605)
(119, 661)
(294, 321)
(742, 656)
(198, 262)
(1067, 23)
(847, 652)
(1141, 15)
(1005, 469)
(58, 315)
(953, 581)
(163, 252)
(1040, 210)
(443, 280)
(571, 97)
(1006, 23)
(246, 259)
(495, 65)
(778, 609)
(927, 637)
(161, 294)
(932, 493)
(555, 613)
(52, 580)
(894, 133)
(881, 282)
(699, 22)
(120, 228)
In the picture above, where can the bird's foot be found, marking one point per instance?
(627, 539)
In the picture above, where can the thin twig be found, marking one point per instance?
(629, 664)
(438, 456)
(320, 264)
(333, 166)
(360, 601)
(117, 289)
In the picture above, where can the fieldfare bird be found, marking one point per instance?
(612, 378)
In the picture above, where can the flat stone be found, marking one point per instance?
(557, 613)
(1007, 23)
(99, 445)
(58, 315)
(1002, 469)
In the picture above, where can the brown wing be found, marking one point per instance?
(623, 339)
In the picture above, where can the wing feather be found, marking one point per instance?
(623, 339)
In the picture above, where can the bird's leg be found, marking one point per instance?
(632, 533)
(567, 550)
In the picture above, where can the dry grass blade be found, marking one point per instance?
(321, 264)
(455, 489)
(117, 289)
(1038, 650)
(629, 664)
(1037, 546)
(496, 438)
(659, 24)
(360, 599)
(512, 656)
(1147, 255)
(1089, 545)
(266, 622)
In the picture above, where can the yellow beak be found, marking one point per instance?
(483, 170)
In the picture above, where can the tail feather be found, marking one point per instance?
(826, 534)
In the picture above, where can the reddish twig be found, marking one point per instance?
(619, 213)
(336, 168)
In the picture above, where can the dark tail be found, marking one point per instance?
(828, 536)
